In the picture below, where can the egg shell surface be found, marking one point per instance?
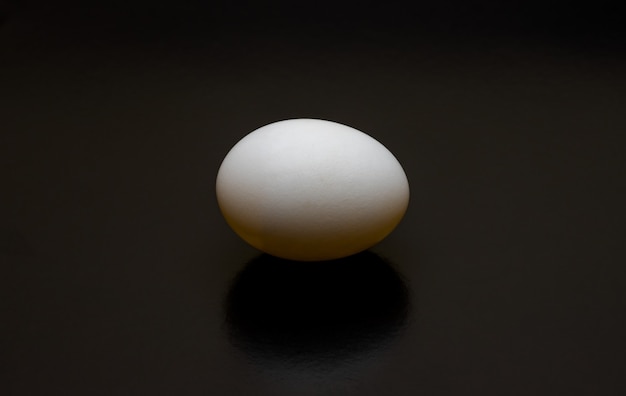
(308, 189)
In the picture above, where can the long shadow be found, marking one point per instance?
(318, 314)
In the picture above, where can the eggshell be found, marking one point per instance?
(308, 189)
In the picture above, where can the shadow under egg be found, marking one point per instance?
(315, 314)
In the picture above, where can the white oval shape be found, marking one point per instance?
(308, 189)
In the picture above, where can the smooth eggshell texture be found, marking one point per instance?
(307, 189)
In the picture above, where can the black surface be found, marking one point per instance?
(118, 275)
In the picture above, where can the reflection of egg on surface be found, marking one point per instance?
(308, 190)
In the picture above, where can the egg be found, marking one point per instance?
(309, 190)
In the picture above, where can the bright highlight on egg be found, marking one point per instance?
(308, 189)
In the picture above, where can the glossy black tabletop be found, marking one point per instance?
(119, 276)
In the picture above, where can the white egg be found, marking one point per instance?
(307, 189)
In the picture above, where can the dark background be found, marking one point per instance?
(118, 275)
